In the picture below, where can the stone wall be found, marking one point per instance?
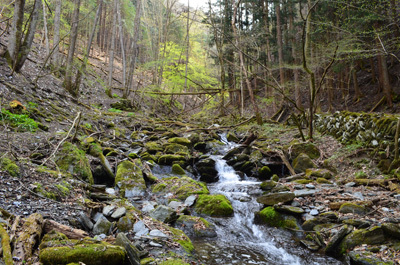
(369, 129)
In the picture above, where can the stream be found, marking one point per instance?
(240, 240)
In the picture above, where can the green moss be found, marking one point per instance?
(86, 251)
(73, 160)
(361, 175)
(170, 159)
(303, 181)
(9, 166)
(181, 187)
(177, 169)
(180, 140)
(180, 237)
(21, 122)
(271, 217)
(130, 176)
(44, 191)
(147, 261)
(275, 177)
(265, 172)
(153, 147)
(323, 181)
(174, 262)
(174, 148)
(214, 205)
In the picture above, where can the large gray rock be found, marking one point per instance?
(102, 226)
(119, 212)
(140, 229)
(302, 162)
(196, 227)
(275, 198)
(164, 214)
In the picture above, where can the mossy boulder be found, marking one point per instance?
(174, 261)
(181, 188)
(275, 198)
(180, 140)
(177, 169)
(153, 147)
(214, 205)
(73, 160)
(352, 208)
(231, 137)
(129, 178)
(307, 148)
(180, 237)
(371, 236)
(172, 148)
(196, 227)
(272, 217)
(125, 223)
(169, 159)
(264, 173)
(366, 258)
(88, 251)
(9, 165)
(318, 173)
(268, 185)
(302, 162)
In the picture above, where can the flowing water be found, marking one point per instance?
(240, 240)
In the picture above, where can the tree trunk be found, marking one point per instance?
(14, 42)
(71, 51)
(135, 48)
(56, 39)
(46, 34)
(280, 46)
(112, 50)
(384, 80)
(121, 39)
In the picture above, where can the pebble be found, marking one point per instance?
(119, 212)
(190, 200)
(154, 244)
(157, 233)
(350, 184)
(109, 209)
(314, 212)
(310, 186)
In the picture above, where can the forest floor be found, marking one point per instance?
(56, 110)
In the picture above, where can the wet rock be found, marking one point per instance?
(196, 227)
(102, 226)
(302, 162)
(157, 233)
(352, 208)
(206, 169)
(214, 205)
(264, 173)
(231, 153)
(164, 214)
(231, 137)
(311, 245)
(275, 198)
(132, 252)
(271, 217)
(129, 179)
(119, 212)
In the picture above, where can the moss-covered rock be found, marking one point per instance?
(268, 185)
(9, 165)
(302, 162)
(125, 223)
(307, 148)
(214, 205)
(318, 173)
(231, 137)
(73, 160)
(366, 258)
(271, 217)
(174, 261)
(179, 149)
(129, 178)
(153, 147)
(181, 188)
(206, 169)
(177, 169)
(195, 226)
(181, 238)
(264, 173)
(90, 252)
(274, 198)
(371, 236)
(170, 159)
(352, 208)
(180, 140)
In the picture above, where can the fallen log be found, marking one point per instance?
(5, 244)
(28, 238)
(71, 233)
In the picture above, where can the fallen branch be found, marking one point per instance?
(71, 233)
(378, 104)
(78, 117)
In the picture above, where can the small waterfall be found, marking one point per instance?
(240, 240)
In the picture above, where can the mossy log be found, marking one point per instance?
(28, 238)
(5, 244)
(70, 232)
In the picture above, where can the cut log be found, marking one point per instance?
(5, 244)
(28, 238)
(70, 232)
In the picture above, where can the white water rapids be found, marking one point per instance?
(240, 240)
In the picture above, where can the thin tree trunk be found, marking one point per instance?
(280, 46)
(121, 38)
(242, 66)
(112, 50)
(14, 42)
(71, 51)
(46, 34)
(135, 49)
(187, 52)
(56, 39)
